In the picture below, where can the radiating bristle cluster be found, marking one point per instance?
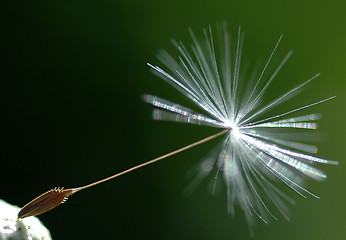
(252, 154)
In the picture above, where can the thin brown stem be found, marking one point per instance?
(56, 196)
(153, 160)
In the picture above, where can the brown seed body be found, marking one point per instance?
(45, 202)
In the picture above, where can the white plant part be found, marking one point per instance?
(254, 151)
(20, 229)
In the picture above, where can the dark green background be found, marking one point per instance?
(72, 73)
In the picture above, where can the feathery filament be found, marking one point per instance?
(250, 155)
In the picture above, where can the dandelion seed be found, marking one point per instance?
(251, 155)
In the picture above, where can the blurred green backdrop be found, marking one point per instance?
(72, 74)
